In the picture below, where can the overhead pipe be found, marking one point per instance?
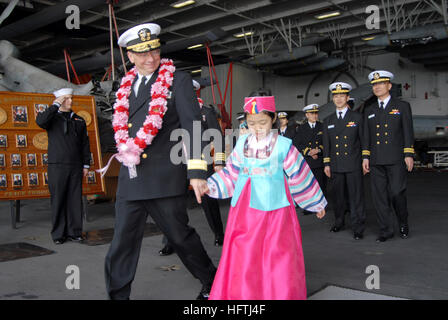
(430, 62)
(209, 36)
(8, 10)
(50, 46)
(418, 49)
(437, 31)
(437, 67)
(282, 56)
(100, 61)
(302, 62)
(328, 64)
(429, 55)
(45, 17)
(85, 65)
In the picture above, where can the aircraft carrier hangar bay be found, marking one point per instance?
(292, 50)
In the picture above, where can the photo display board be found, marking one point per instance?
(23, 145)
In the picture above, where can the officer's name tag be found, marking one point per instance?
(371, 116)
(331, 126)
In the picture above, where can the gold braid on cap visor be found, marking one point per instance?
(380, 80)
(144, 46)
(341, 91)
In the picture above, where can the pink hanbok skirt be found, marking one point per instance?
(262, 257)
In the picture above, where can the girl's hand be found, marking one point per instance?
(320, 214)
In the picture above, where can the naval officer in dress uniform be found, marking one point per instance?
(308, 140)
(342, 137)
(160, 186)
(210, 206)
(388, 153)
(68, 162)
(284, 129)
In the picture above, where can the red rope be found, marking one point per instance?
(210, 72)
(73, 69)
(66, 66)
(118, 36)
(67, 62)
(225, 117)
(106, 73)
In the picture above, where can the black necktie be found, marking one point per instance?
(382, 105)
(340, 115)
(141, 86)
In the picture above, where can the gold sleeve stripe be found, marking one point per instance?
(326, 160)
(365, 152)
(305, 151)
(197, 165)
(409, 150)
(220, 156)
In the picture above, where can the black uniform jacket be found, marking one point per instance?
(210, 121)
(306, 139)
(388, 134)
(68, 142)
(289, 133)
(157, 175)
(342, 142)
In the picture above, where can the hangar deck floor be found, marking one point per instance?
(415, 268)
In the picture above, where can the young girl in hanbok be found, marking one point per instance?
(265, 175)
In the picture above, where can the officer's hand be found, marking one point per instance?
(409, 163)
(327, 171)
(218, 168)
(313, 152)
(200, 188)
(59, 100)
(320, 214)
(365, 166)
(314, 157)
(85, 172)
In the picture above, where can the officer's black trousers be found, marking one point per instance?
(388, 183)
(171, 217)
(65, 185)
(354, 183)
(321, 178)
(213, 215)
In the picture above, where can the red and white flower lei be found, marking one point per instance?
(201, 102)
(130, 149)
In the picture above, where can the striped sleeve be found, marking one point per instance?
(221, 184)
(305, 189)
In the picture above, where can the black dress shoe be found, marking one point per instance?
(219, 241)
(358, 236)
(204, 294)
(336, 229)
(59, 241)
(76, 239)
(404, 232)
(384, 238)
(166, 250)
